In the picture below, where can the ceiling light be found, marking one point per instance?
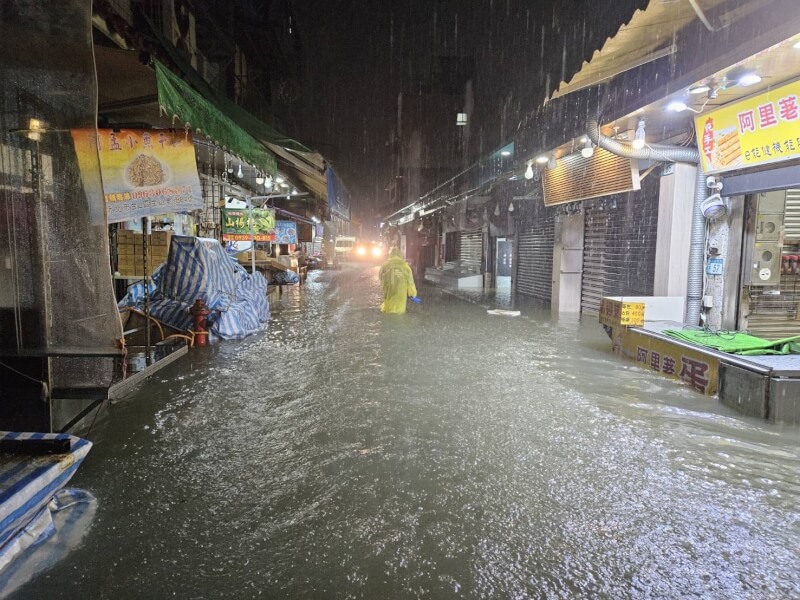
(510, 207)
(639, 138)
(542, 159)
(461, 119)
(496, 210)
(505, 153)
(279, 179)
(268, 181)
(294, 192)
(529, 170)
(749, 79)
(700, 89)
(588, 149)
(259, 179)
(240, 174)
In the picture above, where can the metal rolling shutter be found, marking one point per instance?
(594, 259)
(791, 221)
(776, 316)
(535, 268)
(620, 246)
(471, 250)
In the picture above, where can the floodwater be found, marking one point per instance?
(442, 454)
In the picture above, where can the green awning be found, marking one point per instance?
(262, 131)
(203, 115)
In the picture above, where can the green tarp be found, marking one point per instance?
(736, 342)
(179, 98)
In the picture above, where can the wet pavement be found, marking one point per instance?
(441, 454)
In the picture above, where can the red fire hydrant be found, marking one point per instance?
(200, 314)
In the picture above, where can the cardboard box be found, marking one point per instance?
(160, 238)
(619, 311)
(125, 236)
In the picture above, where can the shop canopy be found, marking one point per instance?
(207, 118)
(651, 35)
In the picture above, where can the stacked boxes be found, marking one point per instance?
(159, 247)
(130, 251)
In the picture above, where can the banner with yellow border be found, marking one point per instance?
(145, 172)
(760, 130)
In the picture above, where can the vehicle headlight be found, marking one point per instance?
(376, 252)
(361, 251)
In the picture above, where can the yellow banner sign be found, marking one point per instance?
(760, 130)
(145, 172)
(698, 369)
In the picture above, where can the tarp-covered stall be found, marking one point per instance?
(199, 268)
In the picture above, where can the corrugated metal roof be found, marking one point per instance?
(650, 35)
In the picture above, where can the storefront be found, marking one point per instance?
(619, 245)
(753, 146)
(535, 256)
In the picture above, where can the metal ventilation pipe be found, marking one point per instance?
(663, 153)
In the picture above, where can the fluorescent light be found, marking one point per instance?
(677, 106)
(542, 159)
(505, 153)
(700, 89)
(749, 79)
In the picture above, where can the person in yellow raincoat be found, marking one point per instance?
(397, 282)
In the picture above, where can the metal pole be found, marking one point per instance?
(252, 236)
(147, 357)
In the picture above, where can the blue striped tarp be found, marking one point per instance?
(200, 268)
(28, 483)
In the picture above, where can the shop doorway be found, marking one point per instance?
(504, 262)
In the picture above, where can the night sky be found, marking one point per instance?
(361, 53)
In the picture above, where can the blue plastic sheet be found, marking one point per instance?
(199, 268)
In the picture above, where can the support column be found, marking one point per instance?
(568, 264)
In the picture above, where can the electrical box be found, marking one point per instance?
(766, 264)
(768, 239)
(772, 202)
(769, 227)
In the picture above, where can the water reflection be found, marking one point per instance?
(444, 453)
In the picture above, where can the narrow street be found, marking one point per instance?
(444, 453)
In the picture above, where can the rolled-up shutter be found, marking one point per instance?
(471, 250)
(535, 267)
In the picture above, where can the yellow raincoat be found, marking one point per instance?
(397, 283)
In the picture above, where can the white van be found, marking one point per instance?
(343, 246)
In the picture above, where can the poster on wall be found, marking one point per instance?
(285, 232)
(145, 172)
(236, 224)
(305, 232)
(759, 130)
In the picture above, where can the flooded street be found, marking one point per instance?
(442, 454)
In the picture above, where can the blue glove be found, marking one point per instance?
(415, 299)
